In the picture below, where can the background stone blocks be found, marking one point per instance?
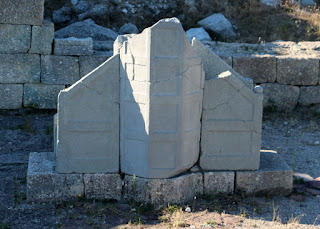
(280, 97)
(19, 68)
(259, 69)
(42, 38)
(59, 69)
(11, 96)
(41, 96)
(309, 95)
(73, 46)
(160, 192)
(274, 177)
(14, 38)
(23, 12)
(297, 71)
(218, 182)
(103, 186)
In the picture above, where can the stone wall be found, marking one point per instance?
(34, 66)
(32, 71)
(287, 71)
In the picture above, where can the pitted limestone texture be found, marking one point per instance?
(44, 184)
(160, 102)
(21, 12)
(161, 192)
(274, 177)
(231, 117)
(88, 115)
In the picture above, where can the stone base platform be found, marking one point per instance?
(274, 177)
(44, 184)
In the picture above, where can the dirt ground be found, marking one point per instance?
(295, 136)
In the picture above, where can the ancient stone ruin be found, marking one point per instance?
(143, 113)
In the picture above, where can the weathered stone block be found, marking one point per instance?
(297, 71)
(161, 99)
(103, 186)
(14, 38)
(42, 38)
(309, 95)
(89, 115)
(11, 96)
(44, 184)
(231, 125)
(21, 12)
(89, 63)
(59, 69)
(218, 182)
(274, 176)
(73, 46)
(19, 68)
(280, 97)
(41, 96)
(160, 192)
(259, 69)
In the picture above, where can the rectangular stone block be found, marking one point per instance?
(274, 176)
(14, 38)
(42, 38)
(89, 63)
(41, 96)
(309, 95)
(231, 125)
(59, 69)
(88, 113)
(259, 68)
(11, 96)
(19, 68)
(297, 71)
(73, 46)
(103, 186)
(161, 192)
(23, 12)
(218, 182)
(44, 184)
(280, 97)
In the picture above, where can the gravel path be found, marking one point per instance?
(296, 137)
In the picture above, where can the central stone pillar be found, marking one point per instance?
(160, 102)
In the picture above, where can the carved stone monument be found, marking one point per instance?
(131, 127)
(161, 102)
(231, 118)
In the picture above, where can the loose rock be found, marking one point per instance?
(218, 24)
(128, 28)
(87, 28)
(200, 34)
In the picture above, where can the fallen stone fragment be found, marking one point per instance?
(314, 183)
(87, 28)
(218, 24)
(305, 177)
(200, 34)
(128, 28)
(313, 191)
